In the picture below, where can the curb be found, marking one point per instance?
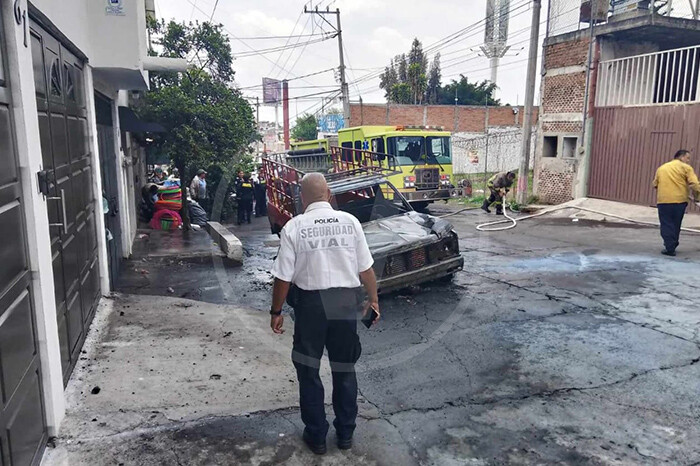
(227, 241)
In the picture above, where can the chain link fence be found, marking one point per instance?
(571, 15)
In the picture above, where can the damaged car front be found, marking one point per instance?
(409, 248)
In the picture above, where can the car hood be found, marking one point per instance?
(401, 230)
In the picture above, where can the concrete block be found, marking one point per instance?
(227, 241)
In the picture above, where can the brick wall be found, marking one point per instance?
(564, 93)
(570, 53)
(555, 187)
(465, 119)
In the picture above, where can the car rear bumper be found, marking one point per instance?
(421, 275)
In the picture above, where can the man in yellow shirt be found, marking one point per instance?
(672, 181)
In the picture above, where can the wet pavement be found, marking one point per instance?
(559, 343)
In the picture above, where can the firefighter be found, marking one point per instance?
(244, 194)
(322, 261)
(261, 197)
(499, 185)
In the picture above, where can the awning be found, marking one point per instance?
(128, 121)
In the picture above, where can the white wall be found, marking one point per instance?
(108, 41)
(504, 146)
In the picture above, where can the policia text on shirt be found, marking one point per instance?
(322, 261)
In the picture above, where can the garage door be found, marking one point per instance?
(22, 423)
(60, 94)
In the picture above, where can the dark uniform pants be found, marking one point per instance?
(327, 319)
(245, 207)
(670, 218)
(495, 198)
(261, 204)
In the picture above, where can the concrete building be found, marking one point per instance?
(616, 103)
(66, 68)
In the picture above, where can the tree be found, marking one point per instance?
(480, 93)
(209, 124)
(434, 77)
(404, 81)
(305, 128)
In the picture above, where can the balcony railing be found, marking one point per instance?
(668, 77)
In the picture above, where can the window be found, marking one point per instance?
(347, 154)
(439, 149)
(549, 146)
(55, 77)
(378, 145)
(70, 89)
(409, 150)
(569, 145)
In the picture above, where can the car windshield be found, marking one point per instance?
(418, 150)
(373, 202)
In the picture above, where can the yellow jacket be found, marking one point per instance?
(672, 181)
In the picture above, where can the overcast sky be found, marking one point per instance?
(373, 32)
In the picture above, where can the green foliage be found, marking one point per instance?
(405, 80)
(479, 93)
(408, 80)
(209, 124)
(305, 128)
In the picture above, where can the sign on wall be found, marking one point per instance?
(331, 123)
(114, 8)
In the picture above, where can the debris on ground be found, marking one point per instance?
(95, 390)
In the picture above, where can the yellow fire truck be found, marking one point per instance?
(423, 154)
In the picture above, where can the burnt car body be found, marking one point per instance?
(409, 248)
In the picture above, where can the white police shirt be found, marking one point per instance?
(321, 249)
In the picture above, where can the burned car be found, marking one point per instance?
(408, 247)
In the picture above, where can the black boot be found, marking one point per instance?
(499, 211)
(485, 207)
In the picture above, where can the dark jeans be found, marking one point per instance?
(245, 208)
(327, 319)
(671, 217)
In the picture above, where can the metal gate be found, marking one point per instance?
(108, 172)
(22, 422)
(630, 143)
(60, 95)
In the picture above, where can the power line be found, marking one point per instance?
(214, 10)
(285, 43)
(280, 37)
(280, 48)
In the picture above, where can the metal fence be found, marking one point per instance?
(571, 15)
(655, 78)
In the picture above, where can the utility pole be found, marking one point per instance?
(285, 112)
(257, 119)
(339, 34)
(529, 102)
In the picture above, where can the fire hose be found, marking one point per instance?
(513, 221)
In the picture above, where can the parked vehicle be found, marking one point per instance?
(408, 247)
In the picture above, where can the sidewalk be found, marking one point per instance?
(172, 381)
(631, 211)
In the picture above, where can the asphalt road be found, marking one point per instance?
(559, 342)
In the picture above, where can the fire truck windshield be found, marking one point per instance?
(417, 150)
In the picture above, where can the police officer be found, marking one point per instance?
(499, 185)
(261, 197)
(322, 261)
(244, 194)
